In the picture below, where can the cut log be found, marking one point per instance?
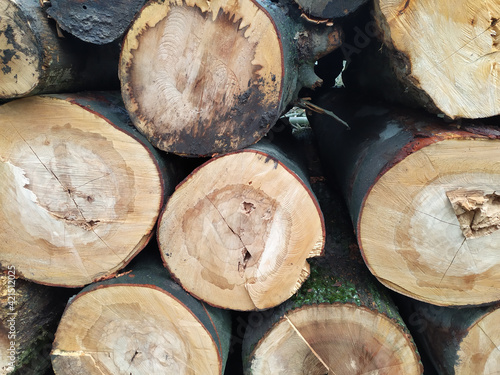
(80, 192)
(341, 321)
(238, 231)
(329, 9)
(458, 341)
(35, 60)
(96, 21)
(29, 314)
(140, 323)
(422, 197)
(200, 78)
(444, 56)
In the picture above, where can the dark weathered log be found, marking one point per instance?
(437, 54)
(35, 60)
(329, 9)
(458, 341)
(29, 314)
(94, 21)
(342, 321)
(140, 323)
(80, 188)
(422, 197)
(238, 231)
(190, 95)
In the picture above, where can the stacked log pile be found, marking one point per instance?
(146, 170)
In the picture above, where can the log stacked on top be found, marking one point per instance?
(81, 198)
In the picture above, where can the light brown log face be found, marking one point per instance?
(132, 329)
(430, 256)
(19, 53)
(480, 350)
(335, 339)
(202, 75)
(78, 197)
(452, 50)
(238, 231)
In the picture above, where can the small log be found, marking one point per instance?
(238, 231)
(341, 321)
(422, 197)
(440, 55)
(80, 189)
(458, 341)
(140, 323)
(96, 21)
(29, 314)
(34, 59)
(191, 96)
(329, 9)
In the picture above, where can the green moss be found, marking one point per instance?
(324, 288)
(36, 360)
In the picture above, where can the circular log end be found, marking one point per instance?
(78, 197)
(479, 350)
(193, 96)
(20, 64)
(337, 338)
(429, 225)
(451, 52)
(237, 233)
(132, 329)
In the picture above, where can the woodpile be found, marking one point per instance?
(148, 170)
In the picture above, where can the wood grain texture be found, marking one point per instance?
(35, 60)
(398, 170)
(238, 231)
(79, 196)
(141, 323)
(200, 78)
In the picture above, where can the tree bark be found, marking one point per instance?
(341, 321)
(97, 21)
(458, 341)
(35, 60)
(191, 96)
(29, 314)
(140, 323)
(329, 9)
(80, 189)
(421, 195)
(438, 54)
(238, 231)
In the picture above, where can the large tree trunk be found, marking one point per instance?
(200, 77)
(443, 56)
(29, 314)
(458, 341)
(341, 321)
(96, 21)
(80, 190)
(422, 197)
(35, 60)
(238, 231)
(140, 323)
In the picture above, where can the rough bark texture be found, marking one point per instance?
(96, 21)
(237, 232)
(143, 323)
(80, 192)
(233, 91)
(420, 194)
(29, 314)
(341, 321)
(329, 8)
(458, 341)
(35, 60)
(439, 55)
